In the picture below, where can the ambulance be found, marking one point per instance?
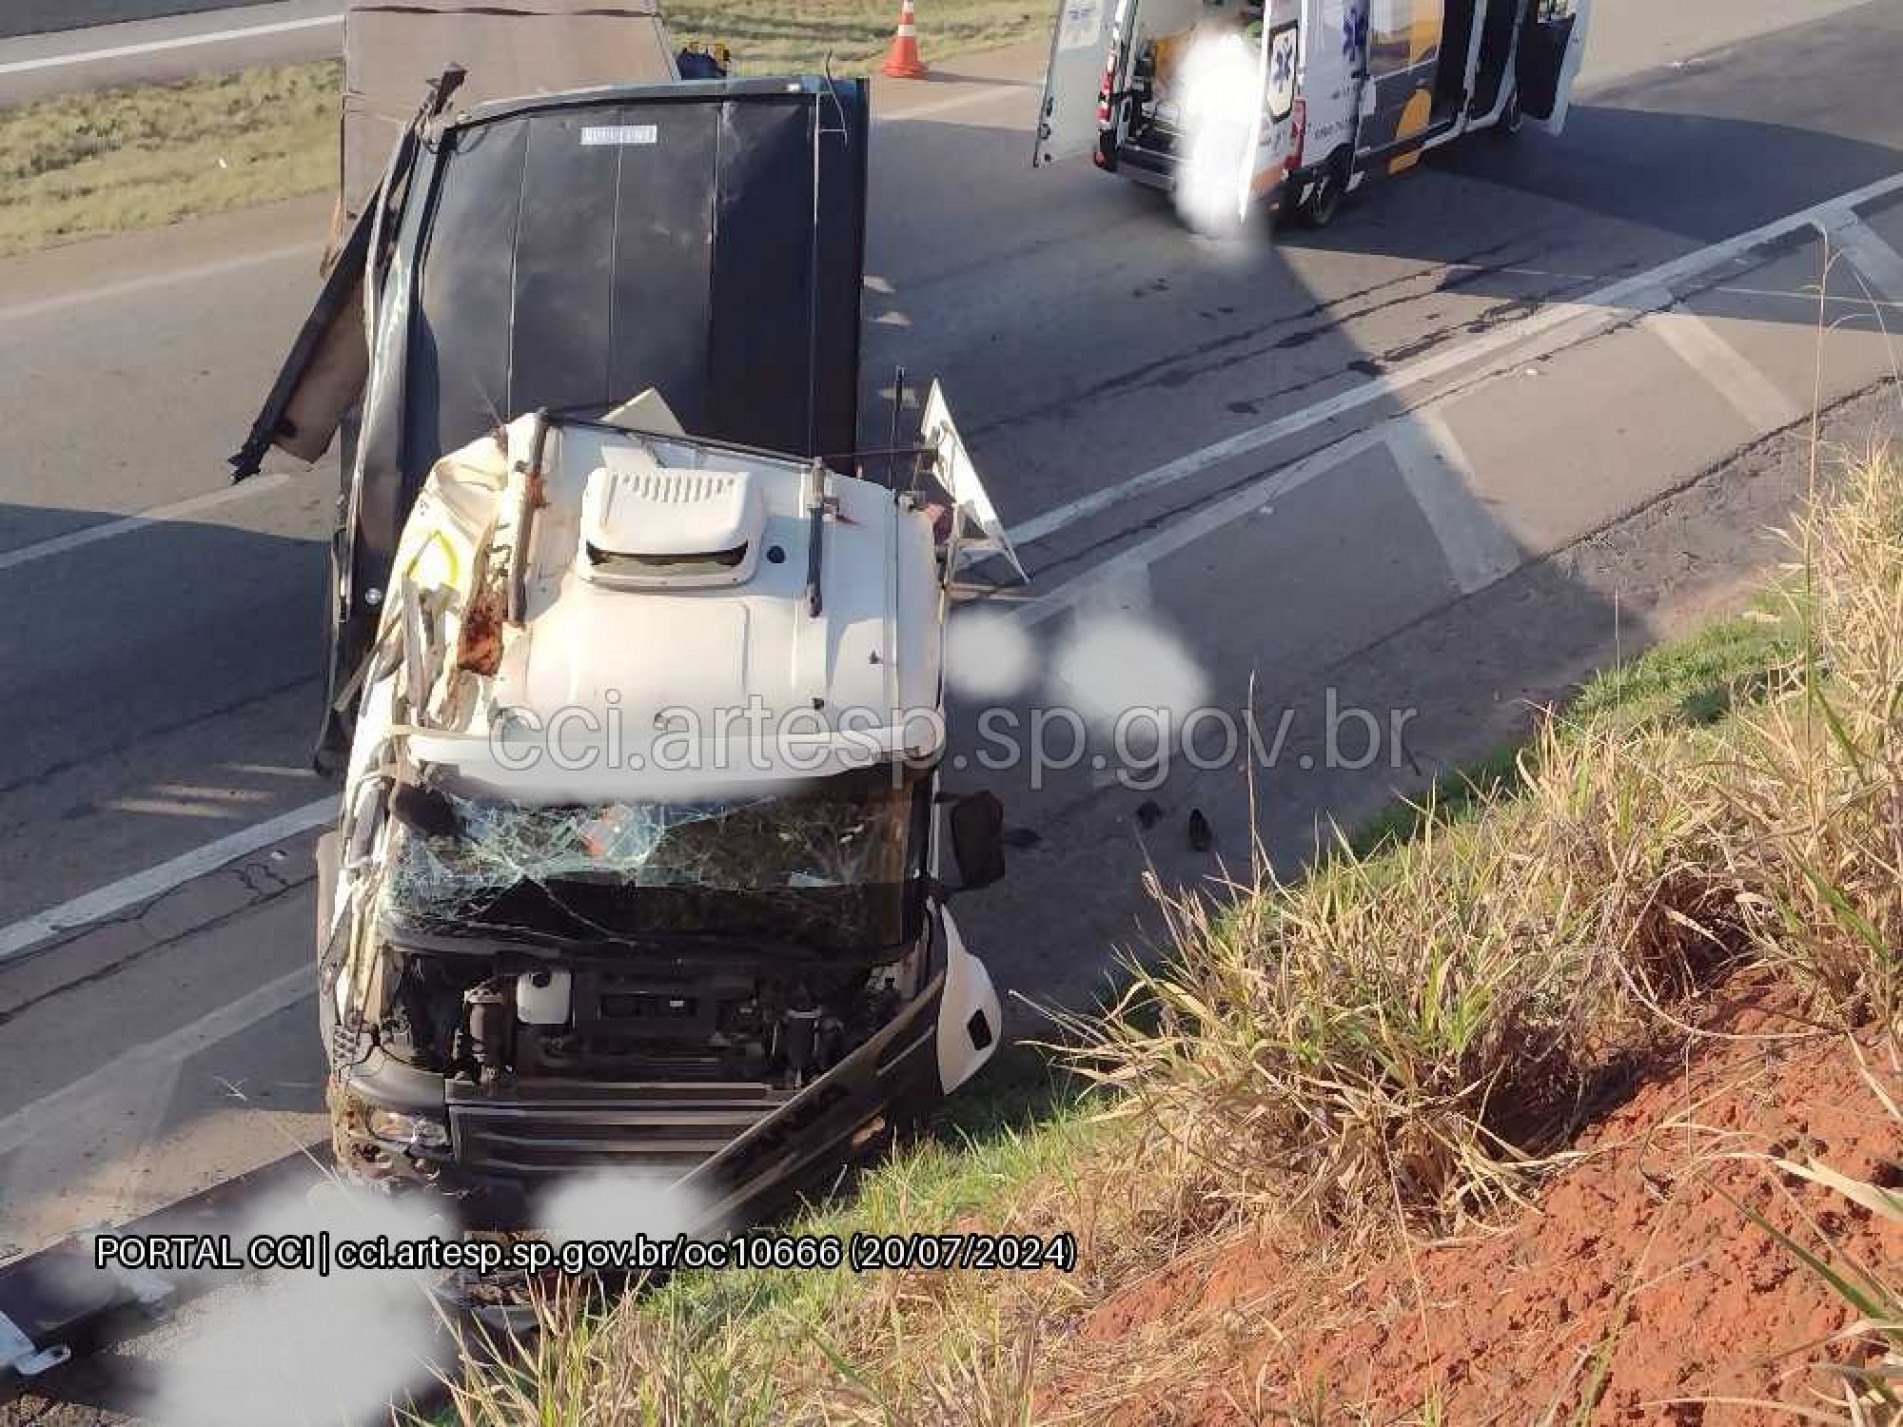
(1333, 92)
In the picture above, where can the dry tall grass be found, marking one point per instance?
(81, 165)
(1410, 1035)
(1416, 1032)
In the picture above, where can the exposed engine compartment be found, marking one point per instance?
(461, 1017)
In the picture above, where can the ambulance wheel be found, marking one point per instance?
(1323, 200)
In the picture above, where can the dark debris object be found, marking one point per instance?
(1200, 834)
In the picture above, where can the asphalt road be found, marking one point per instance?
(53, 48)
(1395, 465)
(39, 17)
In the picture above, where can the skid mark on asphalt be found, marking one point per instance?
(1613, 307)
(1179, 368)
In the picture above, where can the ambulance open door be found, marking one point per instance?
(1080, 52)
(1552, 48)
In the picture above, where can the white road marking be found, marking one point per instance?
(1477, 549)
(1750, 393)
(209, 809)
(1881, 264)
(138, 1133)
(132, 287)
(1606, 307)
(115, 897)
(127, 525)
(1129, 564)
(182, 42)
(1859, 301)
(50, 1113)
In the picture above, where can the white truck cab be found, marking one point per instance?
(638, 861)
(1338, 90)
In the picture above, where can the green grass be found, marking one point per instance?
(1696, 681)
(86, 165)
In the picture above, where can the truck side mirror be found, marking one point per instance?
(977, 834)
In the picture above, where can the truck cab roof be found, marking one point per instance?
(736, 617)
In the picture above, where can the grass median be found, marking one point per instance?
(86, 165)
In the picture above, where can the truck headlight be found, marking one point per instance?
(395, 1127)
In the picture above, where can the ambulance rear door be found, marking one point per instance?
(1081, 40)
(1552, 48)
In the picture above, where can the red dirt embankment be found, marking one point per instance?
(1636, 1290)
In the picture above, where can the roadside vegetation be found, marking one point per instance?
(776, 38)
(1338, 1071)
(85, 165)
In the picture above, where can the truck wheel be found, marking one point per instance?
(1323, 200)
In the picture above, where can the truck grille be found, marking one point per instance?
(547, 1130)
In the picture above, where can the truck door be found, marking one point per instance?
(978, 529)
(1552, 47)
(1082, 41)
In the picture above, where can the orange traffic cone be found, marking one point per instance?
(902, 61)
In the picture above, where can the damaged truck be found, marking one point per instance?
(635, 675)
(637, 866)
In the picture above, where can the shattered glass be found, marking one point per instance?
(827, 868)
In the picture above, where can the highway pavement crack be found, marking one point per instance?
(133, 915)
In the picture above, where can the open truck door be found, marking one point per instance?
(1552, 48)
(1067, 116)
(703, 238)
(977, 529)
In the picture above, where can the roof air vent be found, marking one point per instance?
(652, 526)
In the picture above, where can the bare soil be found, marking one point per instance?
(1636, 1290)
